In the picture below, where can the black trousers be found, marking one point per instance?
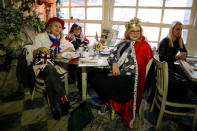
(54, 87)
(118, 88)
(177, 86)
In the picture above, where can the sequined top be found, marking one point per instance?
(128, 66)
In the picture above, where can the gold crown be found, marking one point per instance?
(133, 23)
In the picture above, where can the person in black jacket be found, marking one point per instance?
(76, 37)
(172, 48)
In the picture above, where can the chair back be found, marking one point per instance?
(162, 82)
(160, 99)
(148, 66)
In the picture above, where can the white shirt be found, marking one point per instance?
(42, 40)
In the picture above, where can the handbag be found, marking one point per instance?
(80, 117)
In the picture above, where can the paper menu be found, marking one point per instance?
(93, 62)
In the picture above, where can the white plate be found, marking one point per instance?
(105, 53)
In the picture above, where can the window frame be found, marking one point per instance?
(107, 16)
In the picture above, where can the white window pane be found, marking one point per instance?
(123, 14)
(121, 29)
(91, 29)
(77, 2)
(94, 2)
(179, 3)
(146, 15)
(171, 15)
(151, 33)
(164, 33)
(153, 45)
(65, 31)
(91, 13)
(184, 35)
(125, 2)
(78, 13)
(150, 2)
(62, 3)
(62, 13)
(91, 40)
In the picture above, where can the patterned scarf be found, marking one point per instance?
(56, 44)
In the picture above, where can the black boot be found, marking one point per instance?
(65, 108)
(56, 113)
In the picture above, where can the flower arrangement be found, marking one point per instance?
(13, 18)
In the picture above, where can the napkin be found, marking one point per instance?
(70, 55)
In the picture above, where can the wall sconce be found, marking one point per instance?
(47, 4)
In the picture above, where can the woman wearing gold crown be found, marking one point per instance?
(123, 87)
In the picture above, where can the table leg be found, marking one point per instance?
(84, 83)
(66, 83)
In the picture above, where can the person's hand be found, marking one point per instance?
(59, 55)
(82, 45)
(45, 50)
(181, 56)
(69, 49)
(110, 74)
(115, 69)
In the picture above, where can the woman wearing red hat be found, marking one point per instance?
(45, 43)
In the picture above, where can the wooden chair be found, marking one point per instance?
(40, 85)
(160, 98)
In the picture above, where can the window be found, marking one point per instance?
(89, 12)
(156, 16)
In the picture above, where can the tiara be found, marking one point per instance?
(133, 23)
(76, 21)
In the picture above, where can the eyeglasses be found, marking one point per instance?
(135, 31)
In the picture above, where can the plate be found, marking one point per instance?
(105, 53)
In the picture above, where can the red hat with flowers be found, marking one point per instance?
(55, 19)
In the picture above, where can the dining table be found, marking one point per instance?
(189, 68)
(98, 61)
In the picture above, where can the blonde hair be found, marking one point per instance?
(171, 36)
(48, 29)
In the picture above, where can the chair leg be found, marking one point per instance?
(76, 81)
(112, 114)
(32, 95)
(66, 83)
(194, 120)
(152, 106)
(159, 118)
(141, 112)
